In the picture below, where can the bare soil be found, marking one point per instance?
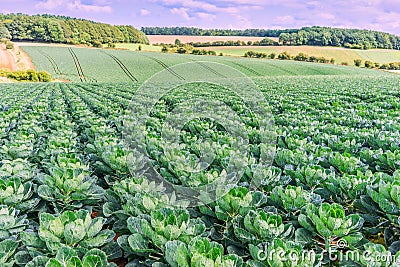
(14, 59)
(6, 59)
(5, 80)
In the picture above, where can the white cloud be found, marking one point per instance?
(183, 12)
(74, 5)
(199, 5)
(144, 12)
(206, 16)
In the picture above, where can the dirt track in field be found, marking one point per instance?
(7, 60)
(24, 62)
(14, 59)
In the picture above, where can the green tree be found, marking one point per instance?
(284, 56)
(357, 62)
(178, 42)
(44, 76)
(4, 33)
(284, 38)
(369, 64)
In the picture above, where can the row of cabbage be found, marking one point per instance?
(68, 197)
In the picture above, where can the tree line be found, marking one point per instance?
(316, 36)
(212, 32)
(286, 56)
(62, 29)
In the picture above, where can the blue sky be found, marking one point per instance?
(383, 15)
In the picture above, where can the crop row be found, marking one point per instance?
(72, 191)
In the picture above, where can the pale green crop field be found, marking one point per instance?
(338, 53)
(135, 47)
(82, 64)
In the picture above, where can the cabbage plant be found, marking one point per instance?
(331, 223)
(259, 226)
(68, 257)
(14, 193)
(387, 196)
(11, 223)
(73, 229)
(151, 233)
(199, 252)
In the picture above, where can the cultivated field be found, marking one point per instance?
(82, 64)
(65, 166)
(317, 172)
(338, 53)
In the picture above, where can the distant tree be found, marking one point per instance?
(221, 54)
(111, 45)
(301, 57)
(4, 33)
(33, 75)
(181, 50)
(97, 43)
(357, 62)
(284, 38)
(140, 48)
(178, 42)
(272, 55)
(164, 49)
(249, 54)
(369, 64)
(332, 61)
(44, 76)
(284, 56)
(321, 36)
(9, 45)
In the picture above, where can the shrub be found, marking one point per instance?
(301, 57)
(27, 76)
(9, 46)
(369, 64)
(284, 56)
(44, 76)
(181, 50)
(164, 49)
(357, 62)
(255, 54)
(33, 75)
(97, 44)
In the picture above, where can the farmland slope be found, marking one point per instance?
(99, 65)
